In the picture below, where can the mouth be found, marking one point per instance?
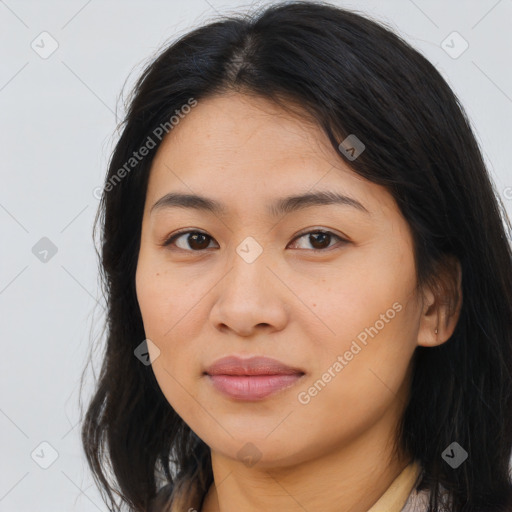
(251, 379)
(253, 387)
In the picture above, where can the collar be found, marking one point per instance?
(396, 495)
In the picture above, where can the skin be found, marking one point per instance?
(203, 301)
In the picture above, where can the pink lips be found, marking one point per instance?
(251, 379)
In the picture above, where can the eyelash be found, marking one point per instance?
(172, 238)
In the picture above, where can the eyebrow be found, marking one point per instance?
(279, 207)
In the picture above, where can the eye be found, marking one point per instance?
(319, 239)
(198, 241)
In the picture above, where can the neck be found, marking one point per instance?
(349, 479)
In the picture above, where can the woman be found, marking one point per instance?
(308, 280)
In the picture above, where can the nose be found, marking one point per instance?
(250, 298)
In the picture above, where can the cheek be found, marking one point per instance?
(370, 308)
(358, 374)
(359, 294)
(163, 296)
(168, 318)
(152, 300)
(170, 305)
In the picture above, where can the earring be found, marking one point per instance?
(435, 330)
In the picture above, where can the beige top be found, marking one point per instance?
(401, 496)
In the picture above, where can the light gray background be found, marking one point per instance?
(58, 127)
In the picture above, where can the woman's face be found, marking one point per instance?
(341, 308)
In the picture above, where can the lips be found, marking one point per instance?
(233, 365)
(251, 379)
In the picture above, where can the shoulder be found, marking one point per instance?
(417, 501)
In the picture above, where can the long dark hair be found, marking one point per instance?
(352, 75)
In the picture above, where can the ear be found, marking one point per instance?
(441, 303)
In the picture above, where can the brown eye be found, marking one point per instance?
(319, 240)
(198, 241)
(195, 241)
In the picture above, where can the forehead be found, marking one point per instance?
(243, 150)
